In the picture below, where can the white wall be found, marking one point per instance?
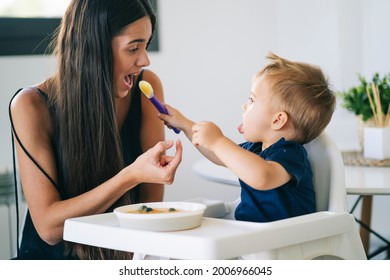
(210, 51)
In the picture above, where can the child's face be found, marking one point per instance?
(257, 116)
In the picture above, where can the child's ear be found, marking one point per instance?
(279, 120)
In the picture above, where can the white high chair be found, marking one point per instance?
(330, 233)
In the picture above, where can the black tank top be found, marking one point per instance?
(32, 246)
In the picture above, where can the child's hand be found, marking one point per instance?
(206, 134)
(174, 119)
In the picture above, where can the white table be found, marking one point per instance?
(366, 182)
(360, 180)
(215, 173)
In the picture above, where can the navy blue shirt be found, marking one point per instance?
(294, 198)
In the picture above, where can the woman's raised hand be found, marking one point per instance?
(154, 166)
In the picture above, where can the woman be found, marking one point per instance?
(81, 133)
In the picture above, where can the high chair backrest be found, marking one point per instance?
(328, 174)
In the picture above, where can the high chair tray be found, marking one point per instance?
(203, 242)
(213, 239)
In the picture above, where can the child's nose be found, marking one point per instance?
(244, 106)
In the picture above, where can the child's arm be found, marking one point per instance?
(179, 121)
(249, 167)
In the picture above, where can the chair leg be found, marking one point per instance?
(366, 219)
(380, 250)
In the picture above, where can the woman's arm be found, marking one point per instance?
(32, 123)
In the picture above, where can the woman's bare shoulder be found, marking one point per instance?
(30, 107)
(149, 75)
(27, 99)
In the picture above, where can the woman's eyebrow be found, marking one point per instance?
(136, 41)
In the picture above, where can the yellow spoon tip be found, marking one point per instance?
(146, 88)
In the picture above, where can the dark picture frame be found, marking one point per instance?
(31, 36)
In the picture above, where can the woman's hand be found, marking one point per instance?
(154, 166)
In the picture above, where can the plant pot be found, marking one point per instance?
(376, 143)
(361, 125)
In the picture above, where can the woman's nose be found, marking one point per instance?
(143, 60)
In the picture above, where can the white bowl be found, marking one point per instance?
(191, 218)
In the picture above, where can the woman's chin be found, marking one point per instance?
(122, 93)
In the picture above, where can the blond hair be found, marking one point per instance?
(302, 91)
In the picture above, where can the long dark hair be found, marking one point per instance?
(87, 139)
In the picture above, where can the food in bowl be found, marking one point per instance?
(144, 209)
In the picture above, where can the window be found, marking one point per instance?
(26, 26)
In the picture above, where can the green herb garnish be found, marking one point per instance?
(143, 208)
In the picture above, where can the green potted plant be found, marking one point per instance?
(355, 99)
(371, 102)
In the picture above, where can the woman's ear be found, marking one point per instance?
(279, 120)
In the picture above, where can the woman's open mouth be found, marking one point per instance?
(129, 81)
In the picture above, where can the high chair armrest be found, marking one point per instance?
(301, 229)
